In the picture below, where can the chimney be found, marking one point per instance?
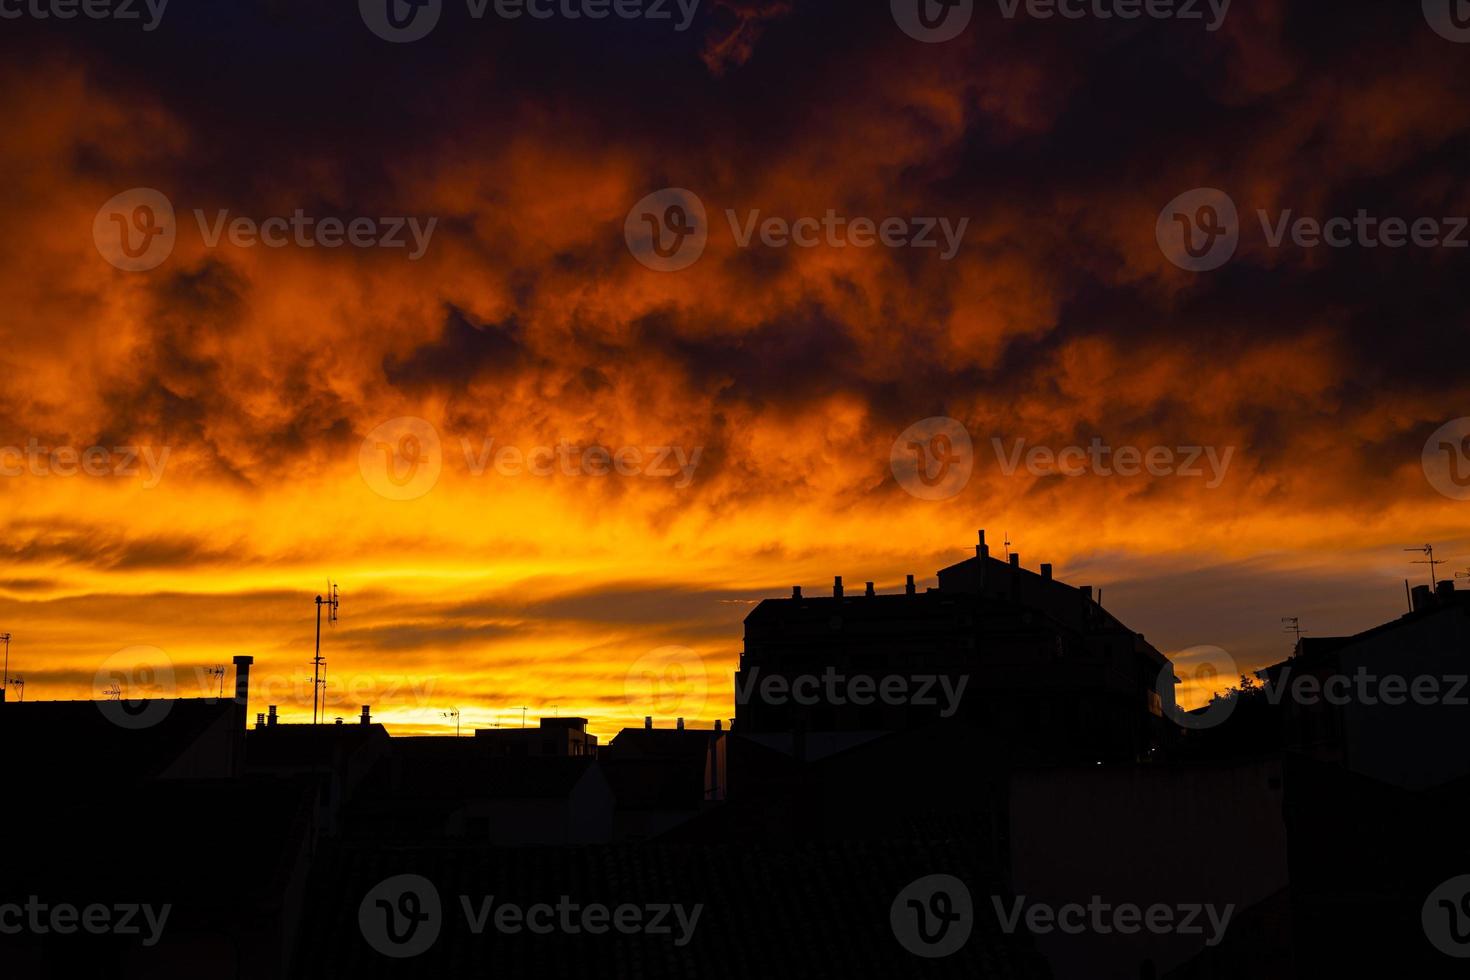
(1445, 590)
(1015, 559)
(869, 590)
(796, 592)
(1046, 570)
(679, 724)
(270, 719)
(1421, 596)
(719, 725)
(982, 552)
(367, 714)
(837, 587)
(242, 681)
(260, 719)
(908, 587)
(648, 723)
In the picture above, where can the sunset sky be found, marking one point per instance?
(789, 371)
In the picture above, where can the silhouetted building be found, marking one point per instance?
(1389, 703)
(439, 787)
(562, 737)
(662, 777)
(334, 758)
(1029, 660)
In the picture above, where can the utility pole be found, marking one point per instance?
(6, 686)
(316, 675)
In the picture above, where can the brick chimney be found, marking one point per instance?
(837, 587)
(908, 588)
(242, 680)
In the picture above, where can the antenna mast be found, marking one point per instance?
(1293, 625)
(318, 661)
(6, 686)
(1428, 550)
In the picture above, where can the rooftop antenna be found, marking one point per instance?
(1293, 625)
(523, 716)
(453, 713)
(219, 672)
(316, 675)
(6, 686)
(114, 693)
(1008, 545)
(1428, 549)
(20, 682)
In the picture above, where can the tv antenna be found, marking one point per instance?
(523, 716)
(1007, 536)
(218, 671)
(1428, 550)
(453, 713)
(20, 682)
(318, 682)
(1293, 625)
